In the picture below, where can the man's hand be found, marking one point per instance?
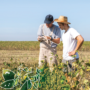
(39, 39)
(72, 53)
(47, 37)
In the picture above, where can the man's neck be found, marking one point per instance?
(51, 26)
(66, 29)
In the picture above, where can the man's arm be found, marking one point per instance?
(80, 41)
(39, 33)
(57, 40)
(57, 36)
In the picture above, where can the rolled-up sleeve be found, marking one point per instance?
(58, 33)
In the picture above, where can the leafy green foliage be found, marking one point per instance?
(21, 77)
(7, 74)
(32, 78)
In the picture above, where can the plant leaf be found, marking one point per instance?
(8, 84)
(8, 74)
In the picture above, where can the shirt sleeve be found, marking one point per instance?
(58, 33)
(39, 33)
(74, 33)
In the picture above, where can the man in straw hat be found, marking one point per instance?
(72, 41)
(49, 36)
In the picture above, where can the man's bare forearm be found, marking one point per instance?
(79, 44)
(80, 41)
(57, 41)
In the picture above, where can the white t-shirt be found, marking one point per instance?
(69, 43)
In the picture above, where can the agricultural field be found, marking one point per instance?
(13, 54)
(33, 45)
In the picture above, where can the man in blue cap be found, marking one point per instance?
(49, 36)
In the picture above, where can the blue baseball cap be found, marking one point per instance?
(48, 19)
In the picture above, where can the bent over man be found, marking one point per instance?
(72, 41)
(49, 36)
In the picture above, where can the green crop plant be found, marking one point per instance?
(24, 78)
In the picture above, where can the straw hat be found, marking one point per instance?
(62, 19)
